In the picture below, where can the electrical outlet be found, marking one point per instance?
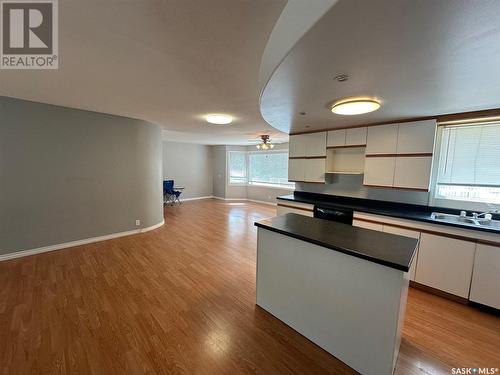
(137, 223)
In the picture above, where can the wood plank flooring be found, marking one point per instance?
(181, 300)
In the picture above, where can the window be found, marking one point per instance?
(268, 168)
(237, 167)
(469, 163)
(259, 168)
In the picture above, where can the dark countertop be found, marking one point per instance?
(392, 209)
(383, 248)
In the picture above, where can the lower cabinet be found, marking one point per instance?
(406, 233)
(367, 225)
(392, 230)
(445, 263)
(485, 287)
(281, 210)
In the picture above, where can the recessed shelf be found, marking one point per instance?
(349, 160)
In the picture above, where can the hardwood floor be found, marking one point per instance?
(181, 300)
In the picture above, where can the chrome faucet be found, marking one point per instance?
(486, 214)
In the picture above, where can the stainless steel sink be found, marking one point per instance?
(495, 224)
(465, 220)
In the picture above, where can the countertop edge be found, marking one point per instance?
(399, 216)
(353, 253)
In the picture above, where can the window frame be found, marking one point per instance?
(447, 202)
(247, 173)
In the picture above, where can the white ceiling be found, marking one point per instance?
(419, 57)
(165, 61)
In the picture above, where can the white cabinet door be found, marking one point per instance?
(406, 233)
(285, 210)
(416, 137)
(485, 286)
(413, 172)
(315, 144)
(382, 139)
(315, 170)
(297, 146)
(445, 263)
(355, 136)
(336, 138)
(296, 169)
(367, 225)
(379, 171)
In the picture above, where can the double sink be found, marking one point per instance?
(466, 220)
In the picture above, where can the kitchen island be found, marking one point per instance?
(342, 287)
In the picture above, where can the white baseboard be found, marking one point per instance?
(196, 198)
(245, 200)
(45, 249)
(263, 202)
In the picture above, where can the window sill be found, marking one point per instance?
(277, 187)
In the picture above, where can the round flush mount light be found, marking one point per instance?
(355, 106)
(219, 119)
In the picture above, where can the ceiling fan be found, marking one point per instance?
(264, 143)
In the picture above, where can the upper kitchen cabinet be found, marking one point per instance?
(413, 172)
(347, 137)
(355, 137)
(408, 146)
(336, 138)
(315, 144)
(416, 137)
(315, 170)
(296, 169)
(307, 157)
(382, 139)
(307, 145)
(296, 146)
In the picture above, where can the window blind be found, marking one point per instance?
(470, 155)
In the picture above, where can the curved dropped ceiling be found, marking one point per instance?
(418, 58)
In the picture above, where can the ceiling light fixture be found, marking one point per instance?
(219, 119)
(341, 78)
(266, 143)
(351, 107)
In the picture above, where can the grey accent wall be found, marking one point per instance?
(191, 166)
(219, 171)
(68, 174)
